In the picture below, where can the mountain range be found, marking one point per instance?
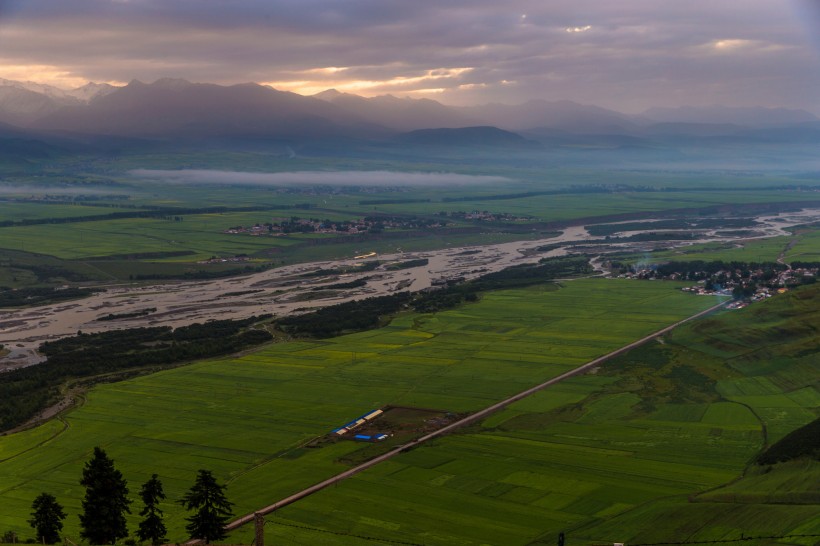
(180, 110)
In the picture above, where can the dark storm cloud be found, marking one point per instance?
(628, 54)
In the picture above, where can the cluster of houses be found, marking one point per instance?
(752, 282)
(486, 216)
(368, 224)
(239, 258)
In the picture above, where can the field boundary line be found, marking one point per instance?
(248, 518)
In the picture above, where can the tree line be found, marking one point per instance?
(106, 503)
(23, 297)
(369, 313)
(25, 391)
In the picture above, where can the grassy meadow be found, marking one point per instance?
(171, 248)
(655, 446)
(802, 245)
(639, 452)
(248, 418)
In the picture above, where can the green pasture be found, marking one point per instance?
(524, 476)
(806, 247)
(557, 207)
(247, 418)
(17, 211)
(202, 234)
(803, 245)
(755, 250)
(615, 455)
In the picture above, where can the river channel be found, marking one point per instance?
(287, 290)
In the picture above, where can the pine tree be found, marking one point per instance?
(213, 510)
(151, 527)
(106, 501)
(47, 518)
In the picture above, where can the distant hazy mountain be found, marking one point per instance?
(173, 110)
(743, 116)
(400, 114)
(92, 90)
(61, 96)
(465, 136)
(25, 102)
(173, 107)
(49, 91)
(564, 115)
(693, 129)
(21, 106)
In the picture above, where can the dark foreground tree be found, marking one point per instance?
(212, 508)
(47, 518)
(106, 501)
(151, 527)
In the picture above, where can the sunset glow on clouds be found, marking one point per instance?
(626, 55)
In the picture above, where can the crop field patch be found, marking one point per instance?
(806, 247)
(691, 413)
(247, 418)
(807, 397)
(749, 386)
(727, 414)
(610, 408)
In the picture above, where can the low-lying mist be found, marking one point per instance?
(318, 178)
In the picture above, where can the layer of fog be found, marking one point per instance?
(315, 178)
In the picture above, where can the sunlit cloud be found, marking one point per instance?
(727, 45)
(430, 91)
(403, 84)
(628, 55)
(49, 75)
(746, 46)
(327, 70)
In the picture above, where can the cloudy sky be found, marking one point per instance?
(624, 54)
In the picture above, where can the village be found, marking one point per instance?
(368, 224)
(486, 216)
(744, 281)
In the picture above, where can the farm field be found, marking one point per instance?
(248, 418)
(803, 245)
(806, 247)
(614, 456)
(20, 211)
(553, 207)
(757, 250)
(158, 242)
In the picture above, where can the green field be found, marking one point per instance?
(803, 245)
(615, 456)
(641, 451)
(246, 418)
(806, 247)
(172, 248)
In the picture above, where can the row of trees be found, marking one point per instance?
(25, 391)
(106, 502)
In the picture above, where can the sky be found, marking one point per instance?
(627, 55)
